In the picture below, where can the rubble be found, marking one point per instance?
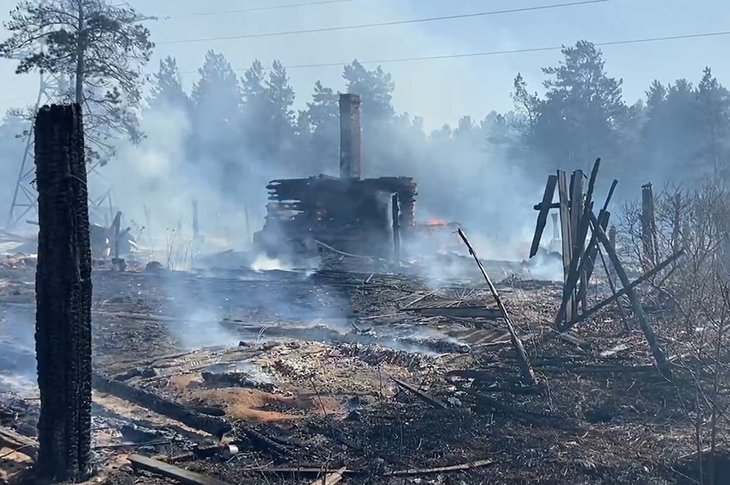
(371, 368)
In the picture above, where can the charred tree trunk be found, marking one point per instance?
(63, 289)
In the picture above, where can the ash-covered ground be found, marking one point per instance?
(398, 379)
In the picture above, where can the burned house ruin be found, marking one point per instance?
(349, 213)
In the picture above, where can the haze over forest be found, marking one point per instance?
(234, 99)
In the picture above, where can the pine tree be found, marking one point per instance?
(322, 121)
(100, 46)
(216, 101)
(375, 89)
(268, 118)
(580, 116)
(713, 104)
(167, 91)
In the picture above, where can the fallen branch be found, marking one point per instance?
(345, 471)
(526, 370)
(440, 469)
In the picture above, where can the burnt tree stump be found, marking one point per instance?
(63, 295)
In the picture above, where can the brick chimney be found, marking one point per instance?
(350, 137)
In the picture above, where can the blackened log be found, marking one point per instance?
(209, 424)
(63, 289)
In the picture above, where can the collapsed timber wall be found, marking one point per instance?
(350, 214)
(63, 289)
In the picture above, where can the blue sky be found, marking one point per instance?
(439, 90)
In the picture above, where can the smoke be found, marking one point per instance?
(17, 350)
(264, 263)
(155, 185)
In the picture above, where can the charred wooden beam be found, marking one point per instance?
(543, 207)
(63, 289)
(209, 424)
(657, 351)
(395, 207)
(618, 294)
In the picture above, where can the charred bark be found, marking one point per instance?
(63, 289)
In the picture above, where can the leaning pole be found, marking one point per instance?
(63, 296)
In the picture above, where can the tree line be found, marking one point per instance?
(239, 124)
(679, 130)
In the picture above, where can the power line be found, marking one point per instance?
(387, 24)
(255, 9)
(643, 40)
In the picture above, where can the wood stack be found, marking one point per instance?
(577, 219)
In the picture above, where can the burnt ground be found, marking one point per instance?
(304, 369)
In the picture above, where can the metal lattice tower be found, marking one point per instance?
(52, 87)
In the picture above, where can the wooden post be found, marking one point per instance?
(656, 349)
(612, 233)
(63, 289)
(196, 226)
(528, 376)
(116, 227)
(648, 227)
(396, 226)
(676, 222)
(350, 137)
(249, 233)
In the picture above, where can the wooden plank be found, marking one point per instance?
(331, 478)
(576, 224)
(656, 349)
(545, 205)
(18, 442)
(173, 472)
(577, 267)
(591, 253)
(565, 229)
(523, 361)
